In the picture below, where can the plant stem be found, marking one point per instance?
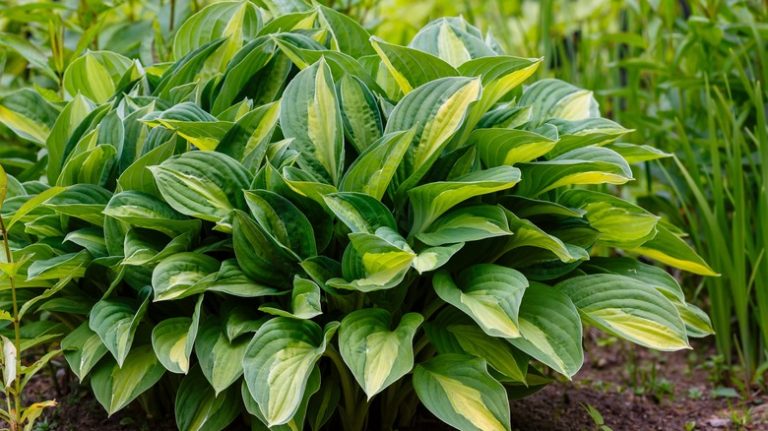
(16, 329)
(353, 422)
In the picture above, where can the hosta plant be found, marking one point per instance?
(305, 227)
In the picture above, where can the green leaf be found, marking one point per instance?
(205, 185)
(452, 39)
(258, 254)
(66, 123)
(249, 138)
(95, 75)
(179, 275)
(411, 68)
(234, 20)
(199, 408)
(527, 234)
(453, 332)
(83, 201)
(489, 294)
(305, 301)
(472, 223)
(310, 114)
(284, 222)
(170, 342)
(433, 258)
(619, 223)
(429, 201)
(360, 212)
(627, 308)
(82, 349)
(32, 204)
(69, 265)
(553, 98)
(367, 174)
(347, 35)
(360, 112)
(297, 421)
(115, 386)
(278, 363)
(240, 70)
(668, 248)
(381, 260)
(460, 392)
(28, 115)
(589, 165)
(115, 321)
(498, 147)
(582, 133)
(551, 329)
(146, 211)
(436, 110)
(221, 360)
(377, 355)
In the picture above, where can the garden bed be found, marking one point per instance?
(622, 389)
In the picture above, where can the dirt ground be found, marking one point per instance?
(633, 389)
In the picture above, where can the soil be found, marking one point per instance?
(633, 389)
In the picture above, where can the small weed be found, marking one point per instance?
(597, 418)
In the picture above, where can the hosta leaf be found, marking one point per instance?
(466, 224)
(382, 259)
(590, 165)
(489, 294)
(95, 75)
(115, 386)
(551, 329)
(460, 392)
(627, 308)
(170, 343)
(620, 223)
(436, 110)
(192, 123)
(347, 35)
(83, 201)
(143, 247)
(367, 174)
(91, 239)
(377, 355)
(69, 265)
(453, 40)
(148, 212)
(220, 359)
(297, 421)
(174, 338)
(310, 114)
(234, 20)
(278, 363)
(431, 200)
(32, 204)
(305, 301)
(82, 349)
(638, 153)
(454, 332)
(185, 69)
(697, 323)
(360, 212)
(433, 258)
(360, 112)
(527, 234)
(115, 321)
(28, 115)
(199, 408)
(179, 275)
(668, 248)
(232, 280)
(284, 222)
(92, 166)
(249, 138)
(498, 147)
(243, 66)
(553, 98)
(205, 185)
(70, 118)
(410, 67)
(647, 274)
(581, 133)
(259, 256)
(138, 177)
